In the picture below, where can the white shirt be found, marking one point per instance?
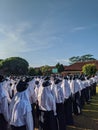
(20, 111)
(75, 87)
(58, 93)
(66, 89)
(87, 83)
(4, 103)
(46, 101)
(32, 94)
(81, 84)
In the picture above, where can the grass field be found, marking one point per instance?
(89, 118)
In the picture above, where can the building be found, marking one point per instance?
(76, 68)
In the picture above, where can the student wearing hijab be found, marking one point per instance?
(4, 113)
(59, 99)
(67, 101)
(32, 98)
(76, 93)
(47, 108)
(20, 109)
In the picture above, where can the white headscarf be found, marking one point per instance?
(4, 107)
(2, 92)
(58, 93)
(46, 101)
(66, 89)
(31, 92)
(19, 106)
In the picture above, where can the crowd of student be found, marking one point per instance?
(46, 103)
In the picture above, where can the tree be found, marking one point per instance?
(60, 67)
(38, 72)
(87, 57)
(46, 70)
(89, 69)
(1, 60)
(74, 59)
(14, 65)
(31, 71)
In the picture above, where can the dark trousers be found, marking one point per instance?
(94, 88)
(82, 98)
(18, 128)
(35, 113)
(47, 120)
(3, 123)
(61, 116)
(77, 104)
(68, 111)
(87, 94)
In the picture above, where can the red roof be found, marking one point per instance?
(78, 66)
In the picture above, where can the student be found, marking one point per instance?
(4, 113)
(20, 109)
(47, 108)
(32, 98)
(67, 101)
(76, 93)
(59, 98)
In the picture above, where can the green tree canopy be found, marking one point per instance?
(31, 71)
(38, 72)
(60, 67)
(46, 70)
(83, 58)
(14, 65)
(89, 69)
(1, 60)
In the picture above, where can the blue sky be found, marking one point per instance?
(45, 32)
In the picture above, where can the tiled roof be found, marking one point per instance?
(78, 66)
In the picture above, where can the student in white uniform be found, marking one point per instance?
(67, 101)
(32, 97)
(47, 108)
(20, 109)
(36, 108)
(87, 90)
(93, 85)
(82, 97)
(59, 98)
(4, 113)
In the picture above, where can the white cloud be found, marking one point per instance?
(81, 28)
(17, 39)
(78, 29)
(63, 61)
